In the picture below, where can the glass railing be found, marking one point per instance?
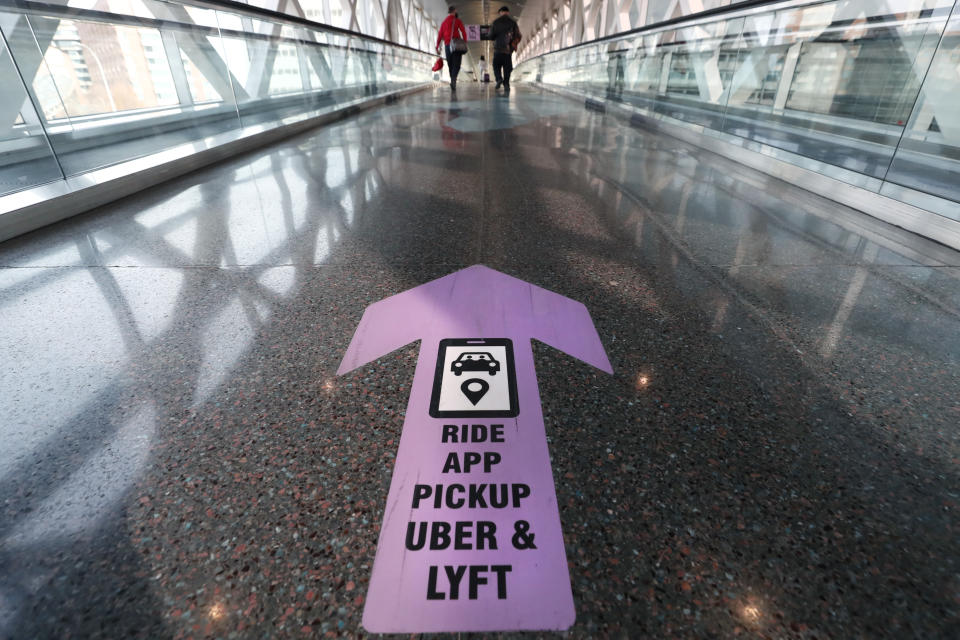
(92, 83)
(867, 92)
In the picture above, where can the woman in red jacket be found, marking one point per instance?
(451, 28)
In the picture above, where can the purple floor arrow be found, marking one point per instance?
(471, 537)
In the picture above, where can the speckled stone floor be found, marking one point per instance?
(776, 455)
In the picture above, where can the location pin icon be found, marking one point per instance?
(474, 389)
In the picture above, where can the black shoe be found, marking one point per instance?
(498, 85)
(506, 88)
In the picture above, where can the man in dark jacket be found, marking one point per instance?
(505, 34)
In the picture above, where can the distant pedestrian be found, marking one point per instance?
(454, 36)
(506, 36)
(615, 64)
(484, 76)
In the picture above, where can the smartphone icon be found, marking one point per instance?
(475, 378)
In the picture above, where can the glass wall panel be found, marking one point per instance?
(318, 58)
(696, 66)
(644, 68)
(865, 86)
(100, 68)
(256, 65)
(834, 82)
(87, 85)
(108, 87)
(28, 46)
(212, 85)
(353, 64)
(928, 158)
(26, 159)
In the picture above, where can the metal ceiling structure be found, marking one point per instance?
(548, 25)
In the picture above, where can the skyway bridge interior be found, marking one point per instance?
(757, 202)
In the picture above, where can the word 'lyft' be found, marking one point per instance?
(455, 575)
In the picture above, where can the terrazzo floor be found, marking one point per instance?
(775, 456)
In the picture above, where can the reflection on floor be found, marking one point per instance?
(776, 453)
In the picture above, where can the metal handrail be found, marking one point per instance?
(276, 15)
(700, 16)
(36, 7)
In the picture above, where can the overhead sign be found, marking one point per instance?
(473, 32)
(471, 537)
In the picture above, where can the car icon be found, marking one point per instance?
(475, 361)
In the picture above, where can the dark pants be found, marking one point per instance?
(503, 67)
(453, 62)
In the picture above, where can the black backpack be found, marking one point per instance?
(505, 40)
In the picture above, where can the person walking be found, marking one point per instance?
(454, 36)
(505, 35)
